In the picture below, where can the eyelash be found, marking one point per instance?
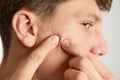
(87, 25)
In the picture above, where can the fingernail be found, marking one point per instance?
(66, 44)
(55, 39)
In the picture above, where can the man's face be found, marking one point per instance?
(78, 21)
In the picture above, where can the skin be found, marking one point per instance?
(64, 46)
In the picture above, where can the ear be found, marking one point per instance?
(25, 26)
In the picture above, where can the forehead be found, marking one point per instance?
(77, 7)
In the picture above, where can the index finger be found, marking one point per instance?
(34, 60)
(101, 68)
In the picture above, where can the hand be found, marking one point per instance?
(26, 71)
(84, 65)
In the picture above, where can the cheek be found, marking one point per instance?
(74, 33)
(68, 28)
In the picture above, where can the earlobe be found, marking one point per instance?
(25, 26)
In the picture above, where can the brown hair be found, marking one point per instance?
(45, 7)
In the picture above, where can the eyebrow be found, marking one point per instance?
(95, 16)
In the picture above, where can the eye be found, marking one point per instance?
(86, 24)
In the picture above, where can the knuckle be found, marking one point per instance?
(80, 76)
(79, 62)
(75, 75)
(34, 58)
(66, 72)
(82, 61)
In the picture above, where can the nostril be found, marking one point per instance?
(101, 54)
(97, 52)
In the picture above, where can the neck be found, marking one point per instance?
(16, 54)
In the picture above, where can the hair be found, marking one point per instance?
(45, 7)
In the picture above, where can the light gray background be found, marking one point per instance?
(111, 31)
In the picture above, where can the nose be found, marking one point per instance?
(99, 46)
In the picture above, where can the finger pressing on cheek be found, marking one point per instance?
(72, 74)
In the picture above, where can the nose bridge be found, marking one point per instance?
(102, 42)
(99, 44)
